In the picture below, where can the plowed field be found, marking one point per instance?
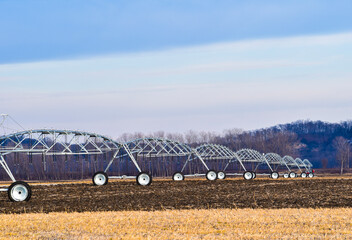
(190, 194)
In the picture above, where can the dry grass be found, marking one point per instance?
(184, 224)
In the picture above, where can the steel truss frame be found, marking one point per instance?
(301, 164)
(308, 164)
(290, 161)
(277, 160)
(4, 129)
(68, 142)
(49, 142)
(247, 155)
(210, 152)
(157, 147)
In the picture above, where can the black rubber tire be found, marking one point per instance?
(101, 172)
(245, 174)
(22, 183)
(278, 175)
(254, 175)
(150, 177)
(206, 175)
(183, 176)
(294, 176)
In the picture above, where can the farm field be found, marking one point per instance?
(182, 224)
(190, 194)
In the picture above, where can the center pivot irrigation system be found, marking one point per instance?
(210, 160)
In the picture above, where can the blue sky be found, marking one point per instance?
(125, 66)
(40, 30)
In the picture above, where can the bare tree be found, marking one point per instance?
(175, 136)
(324, 163)
(158, 134)
(125, 137)
(191, 137)
(342, 147)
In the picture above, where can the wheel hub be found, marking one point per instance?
(211, 175)
(143, 179)
(275, 175)
(247, 175)
(19, 193)
(99, 179)
(178, 177)
(221, 175)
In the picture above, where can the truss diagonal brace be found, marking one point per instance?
(112, 160)
(201, 159)
(6, 168)
(132, 158)
(267, 163)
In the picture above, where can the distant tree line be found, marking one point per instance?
(326, 145)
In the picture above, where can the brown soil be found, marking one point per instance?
(189, 194)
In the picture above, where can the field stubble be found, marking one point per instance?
(182, 224)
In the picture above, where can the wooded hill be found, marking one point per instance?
(314, 140)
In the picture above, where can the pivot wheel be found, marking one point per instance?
(19, 191)
(144, 179)
(286, 175)
(211, 175)
(274, 175)
(100, 178)
(310, 175)
(304, 175)
(247, 175)
(221, 175)
(293, 175)
(178, 176)
(254, 175)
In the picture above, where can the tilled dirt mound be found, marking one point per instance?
(191, 194)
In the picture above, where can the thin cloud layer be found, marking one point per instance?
(247, 84)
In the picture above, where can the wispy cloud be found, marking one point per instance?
(245, 84)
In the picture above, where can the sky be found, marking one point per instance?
(126, 66)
